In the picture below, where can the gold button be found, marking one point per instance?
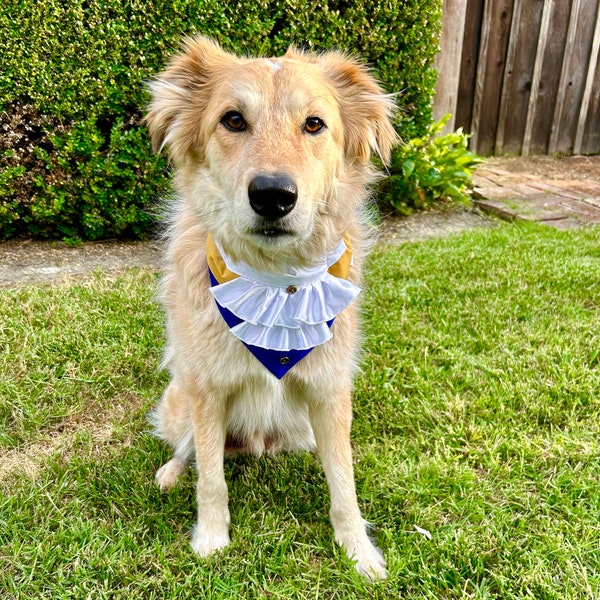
(292, 289)
(284, 360)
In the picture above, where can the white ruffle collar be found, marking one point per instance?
(288, 311)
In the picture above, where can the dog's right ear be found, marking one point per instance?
(180, 96)
(367, 110)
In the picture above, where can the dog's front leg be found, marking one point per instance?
(212, 531)
(331, 425)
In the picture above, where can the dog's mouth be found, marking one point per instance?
(271, 232)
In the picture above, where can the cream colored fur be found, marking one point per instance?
(219, 392)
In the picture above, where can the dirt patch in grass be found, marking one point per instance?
(436, 223)
(88, 433)
(31, 262)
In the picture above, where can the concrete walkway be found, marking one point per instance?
(561, 192)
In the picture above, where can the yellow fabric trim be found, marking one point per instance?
(341, 268)
(216, 264)
(222, 274)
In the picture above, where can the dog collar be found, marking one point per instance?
(280, 318)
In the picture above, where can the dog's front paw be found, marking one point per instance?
(369, 561)
(360, 548)
(207, 541)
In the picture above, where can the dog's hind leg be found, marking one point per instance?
(173, 423)
(331, 424)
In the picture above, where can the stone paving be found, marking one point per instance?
(562, 193)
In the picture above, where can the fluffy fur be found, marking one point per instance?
(221, 399)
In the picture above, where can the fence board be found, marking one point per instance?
(591, 141)
(537, 75)
(468, 69)
(492, 59)
(448, 62)
(553, 53)
(582, 125)
(519, 74)
(507, 84)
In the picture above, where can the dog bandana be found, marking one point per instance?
(281, 318)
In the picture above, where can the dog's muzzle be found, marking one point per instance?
(272, 196)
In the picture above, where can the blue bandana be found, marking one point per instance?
(281, 318)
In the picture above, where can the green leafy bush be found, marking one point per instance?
(97, 186)
(430, 168)
(75, 161)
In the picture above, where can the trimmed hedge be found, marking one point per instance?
(75, 162)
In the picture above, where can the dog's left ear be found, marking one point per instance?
(366, 110)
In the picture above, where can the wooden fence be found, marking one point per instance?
(522, 76)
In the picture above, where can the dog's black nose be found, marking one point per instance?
(272, 196)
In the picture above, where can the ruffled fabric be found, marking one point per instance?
(288, 311)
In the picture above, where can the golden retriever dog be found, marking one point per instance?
(263, 263)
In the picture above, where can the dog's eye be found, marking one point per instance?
(313, 125)
(234, 121)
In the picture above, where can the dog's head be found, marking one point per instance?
(270, 150)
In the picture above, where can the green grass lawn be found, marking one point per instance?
(476, 437)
